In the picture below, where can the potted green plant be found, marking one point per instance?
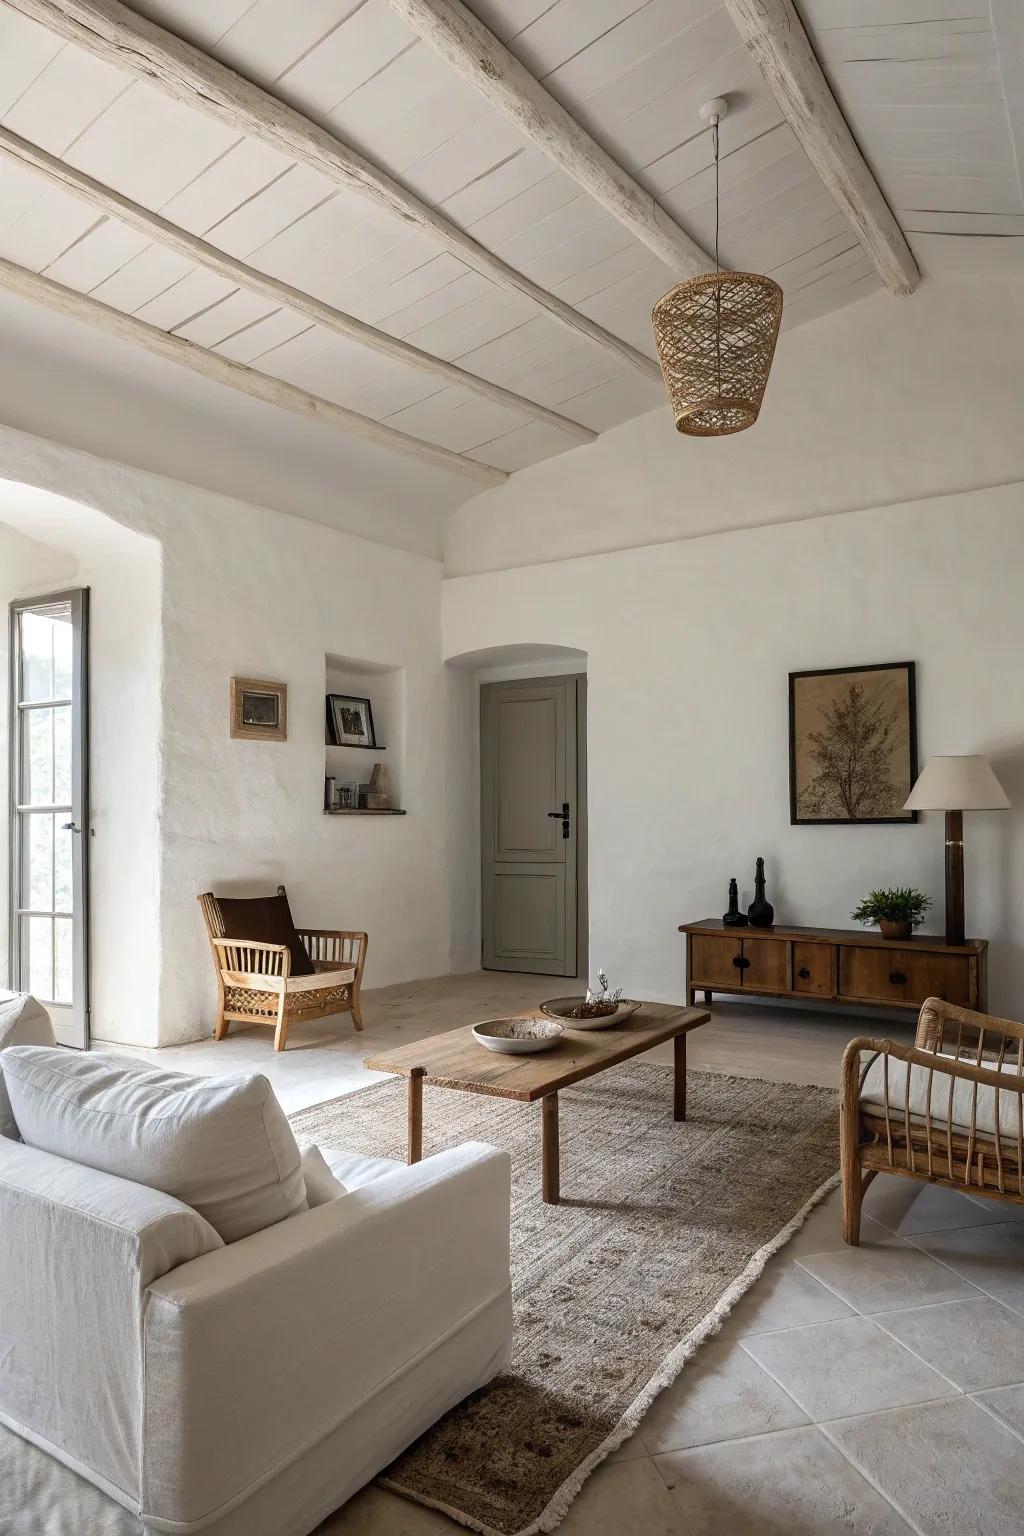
(897, 912)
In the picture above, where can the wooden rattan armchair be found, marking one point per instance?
(255, 984)
(949, 1109)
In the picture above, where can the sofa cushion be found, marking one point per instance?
(221, 1145)
(267, 920)
(355, 1169)
(321, 1184)
(23, 1021)
(929, 1091)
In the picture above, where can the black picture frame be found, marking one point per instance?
(907, 818)
(339, 736)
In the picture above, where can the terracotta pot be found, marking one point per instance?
(894, 930)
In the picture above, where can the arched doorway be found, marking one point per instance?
(533, 824)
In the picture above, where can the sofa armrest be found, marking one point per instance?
(257, 1352)
(77, 1250)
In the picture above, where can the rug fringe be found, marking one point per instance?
(559, 1504)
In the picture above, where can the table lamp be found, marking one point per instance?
(955, 785)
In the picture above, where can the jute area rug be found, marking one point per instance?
(662, 1228)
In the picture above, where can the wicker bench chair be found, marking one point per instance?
(949, 1109)
(255, 982)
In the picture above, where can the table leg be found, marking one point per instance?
(416, 1077)
(679, 1059)
(549, 1148)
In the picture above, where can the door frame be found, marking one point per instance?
(581, 825)
(78, 600)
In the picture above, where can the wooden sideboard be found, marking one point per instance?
(832, 965)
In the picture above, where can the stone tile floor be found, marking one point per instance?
(871, 1392)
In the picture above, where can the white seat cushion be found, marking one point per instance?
(221, 1145)
(291, 984)
(354, 1169)
(321, 1184)
(936, 1102)
(23, 1021)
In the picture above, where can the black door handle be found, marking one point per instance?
(804, 973)
(897, 978)
(740, 962)
(563, 817)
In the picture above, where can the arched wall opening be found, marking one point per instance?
(469, 670)
(51, 543)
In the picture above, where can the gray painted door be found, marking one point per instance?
(528, 752)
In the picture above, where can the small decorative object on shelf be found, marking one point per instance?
(378, 793)
(897, 912)
(329, 793)
(734, 918)
(760, 912)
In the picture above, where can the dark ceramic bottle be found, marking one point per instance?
(734, 917)
(760, 912)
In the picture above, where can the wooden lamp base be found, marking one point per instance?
(954, 877)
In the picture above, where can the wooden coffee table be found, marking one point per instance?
(458, 1060)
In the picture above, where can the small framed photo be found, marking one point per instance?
(259, 710)
(350, 721)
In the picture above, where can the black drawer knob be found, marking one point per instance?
(897, 978)
(804, 973)
(740, 962)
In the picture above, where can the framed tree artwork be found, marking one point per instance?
(852, 744)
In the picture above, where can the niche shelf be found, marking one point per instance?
(384, 686)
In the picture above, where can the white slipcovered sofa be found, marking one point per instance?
(244, 1386)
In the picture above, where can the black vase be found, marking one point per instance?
(760, 912)
(734, 917)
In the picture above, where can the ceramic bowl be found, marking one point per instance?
(518, 1037)
(562, 1007)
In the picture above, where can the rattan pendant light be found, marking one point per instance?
(716, 338)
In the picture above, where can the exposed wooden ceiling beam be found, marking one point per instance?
(157, 228)
(139, 47)
(774, 34)
(224, 370)
(471, 49)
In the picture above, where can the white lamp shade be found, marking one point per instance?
(957, 784)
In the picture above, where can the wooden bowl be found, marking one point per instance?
(562, 1007)
(518, 1036)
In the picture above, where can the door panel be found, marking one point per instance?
(812, 969)
(712, 960)
(946, 976)
(529, 913)
(875, 974)
(529, 768)
(767, 963)
(49, 807)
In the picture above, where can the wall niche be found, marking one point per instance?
(351, 766)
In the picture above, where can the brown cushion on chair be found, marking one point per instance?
(266, 920)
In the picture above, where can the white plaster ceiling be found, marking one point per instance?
(930, 97)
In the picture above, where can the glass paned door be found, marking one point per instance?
(49, 783)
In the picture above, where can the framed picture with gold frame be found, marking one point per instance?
(259, 710)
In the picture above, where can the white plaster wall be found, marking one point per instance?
(122, 571)
(250, 591)
(689, 646)
(884, 401)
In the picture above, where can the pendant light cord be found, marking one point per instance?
(718, 286)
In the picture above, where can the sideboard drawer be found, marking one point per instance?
(813, 969)
(876, 975)
(711, 961)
